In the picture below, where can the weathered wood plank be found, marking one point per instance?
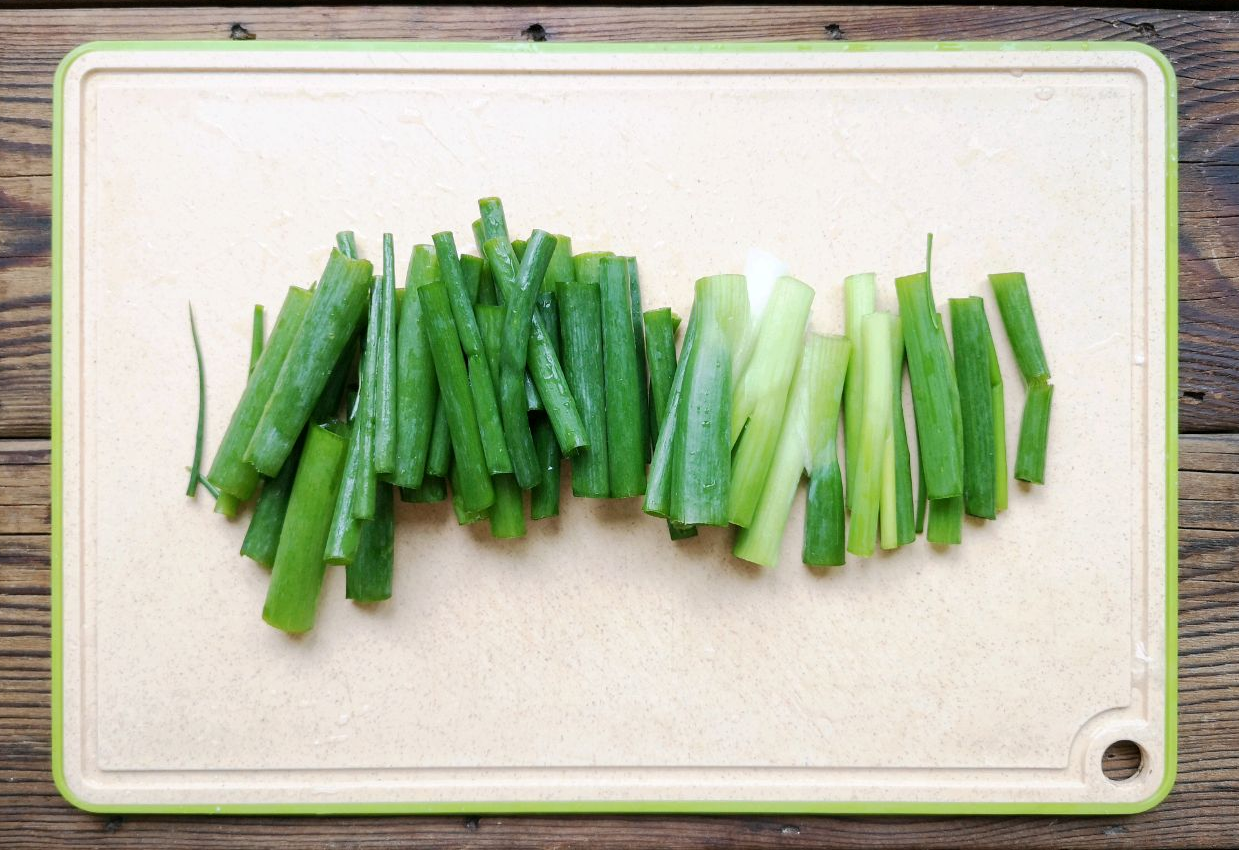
(25, 347)
(25, 490)
(25, 215)
(1209, 453)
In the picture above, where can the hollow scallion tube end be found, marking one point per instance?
(227, 505)
(946, 521)
(432, 489)
(679, 531)
(507, 514)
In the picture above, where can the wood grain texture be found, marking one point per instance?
(25, 346)
(1202, 811)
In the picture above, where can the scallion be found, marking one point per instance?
(1015, 306)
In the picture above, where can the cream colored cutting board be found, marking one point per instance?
(595, 665)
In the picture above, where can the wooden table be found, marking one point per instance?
(1203, 809)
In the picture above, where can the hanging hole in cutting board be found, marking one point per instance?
(1122, 760)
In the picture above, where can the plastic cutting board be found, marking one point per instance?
(595, 666)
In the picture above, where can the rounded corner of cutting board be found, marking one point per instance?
(78, 798)
(1161, 62)
(71, 58)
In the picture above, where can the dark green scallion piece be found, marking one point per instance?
(561, 268)
(659, 478)
(587, 267)
(439, 455)
(385, 366)
(935, 394)
(627, 417)
(485, 399)
(327, 408)
(971, 336)
(464, 515)
(335, 311)
(344, 533)
(548, 314)
(297, 574)
(229, 471)
(660, 328)
(542, 360)
(470, 467)
(580, 323)
(417, 387)
(369, 577)
(226, 503)
(490, 325)
(494, 224)
(262, 538)
(638, 331)
(346, 242)
(507, 514)
(1034, 433)
(1015, 307)
(471, 270)
(367, 479)
(946, 521)
(518, 322)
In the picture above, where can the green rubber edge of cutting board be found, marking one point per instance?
(657, 806)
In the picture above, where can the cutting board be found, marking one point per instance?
(594, 665)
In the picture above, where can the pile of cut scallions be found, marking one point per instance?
(474, 380)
